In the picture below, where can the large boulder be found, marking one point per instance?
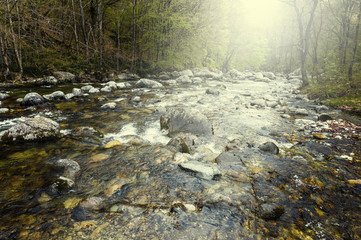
(205, 73)
(186, 120)
(37, 128)
(147, 83)
(184, 79)
(235, 75)
(64, 76)
(32, 98)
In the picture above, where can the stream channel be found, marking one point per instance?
(131, 186)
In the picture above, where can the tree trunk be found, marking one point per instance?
(75, 29)
(350, 70)
(15, 43)
(304, 38)
(133, 36)
(83, 29)
(4, 54)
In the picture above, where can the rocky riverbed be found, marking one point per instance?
(196, 154)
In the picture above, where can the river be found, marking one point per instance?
(131, 186)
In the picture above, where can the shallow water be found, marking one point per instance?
(143, 194)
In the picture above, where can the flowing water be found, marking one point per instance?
(134, 188)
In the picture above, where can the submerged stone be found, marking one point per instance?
(186, 120)
(319, 136)
(270, 211)
(203, 170)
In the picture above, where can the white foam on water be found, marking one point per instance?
(151, 133)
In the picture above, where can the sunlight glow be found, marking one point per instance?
(262, 13)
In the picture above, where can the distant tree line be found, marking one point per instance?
(39, 36)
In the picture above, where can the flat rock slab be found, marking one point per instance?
(202, 170)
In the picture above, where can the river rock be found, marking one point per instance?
(258, 76)
(205, 73)
(177, 144)
(269, 147)
(62, 185)
(128, 76)
(202, 170)
(184, 79)
(164, 77)
(236, 145)
(269, 75)
(77, 92)
(64, 76)
(106, 89)
(235, 75)
(69, 96)
(147, 83)
(32, 98)
(3, 96)
(94, 90)
(227, 157)
(55, 96)
(270, 211)
(258, 102)
(187, 72)
(37, 128)
(86, 88)
(112, 84)
(186, 120)
(324, 117)
(212, 92)
(109, 106)
(197, 80)
(71, 167)
(4, 110)
(86, 132)
(1, 104)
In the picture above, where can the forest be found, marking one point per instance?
(319, 37)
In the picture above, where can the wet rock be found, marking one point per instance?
(175, 74)
(321, 109)
(1, 104)
(197, 80)
(186, 120)
(62, 185)
(37, 128)
(164, 77)
(136, 99)
(300, 111)
(269, 75)
(69, 96)
(55, 96)
(146, 83)
(50, 80)
(106, 89)
(205, 73)
(269, 147)
(94, 90)
(212, 92)
(86, 132)
(324, 118)
(270, 211)
(86, 88)
(217, 198)
(177, 144)
(357, 181)
(202, 170)
(64, 76)
(258, 102)
(319, 136)
(272, 104)
(77, 92)
(112, 144)
(236, 145)
(4, 110)
(227, 158)
(184, 79)
(3, 96)
(87, 209)
(112, 84)
(187, 72)
(31, 99)
(109, 106)
(71, 167)
(234, 74)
